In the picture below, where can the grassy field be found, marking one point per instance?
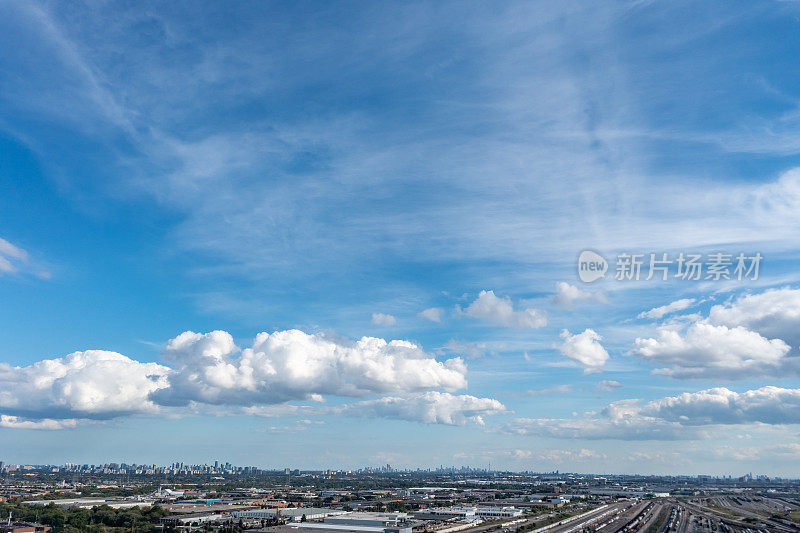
(724, 511)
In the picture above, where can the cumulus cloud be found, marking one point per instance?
(773, 313)
(93, 384)
(584, 348)
(767, 405)
(16, 422)
(293, 365)
(568, 295)
(501, 311)
(430, 407)
(434, 314)
(607, 385)
(211, 371)
(751, 336)
(687, 416)
(660, 312)
(381, 319)
(708, 351)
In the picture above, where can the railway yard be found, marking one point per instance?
(195, 500)
(715, 514)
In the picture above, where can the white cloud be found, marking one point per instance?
(501, 311)
(208, 373)
(567, 295)
(10, 257)
(16, 422)
(293, 365)
(708, 351)
(91, 384)
(783, 452)
(659, 312)
(83, 386)
(520, 454)
(238, 219)
(767, 405)
(297, 427)
(584, 348)
(685, 416)
(607, 385)
(271, 411)
(569, 456)
(429, 407)
(773, 313)
(382, 319)
(470, 350)
(434, 314)
(558, 389)
(621, 420)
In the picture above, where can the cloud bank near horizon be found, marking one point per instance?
(211, 370)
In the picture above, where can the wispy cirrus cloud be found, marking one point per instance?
(558, 389)
(11, 257)
(215, 179)
(659, 312)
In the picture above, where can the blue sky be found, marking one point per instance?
(424, 173)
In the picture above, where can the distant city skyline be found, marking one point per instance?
(179, 467)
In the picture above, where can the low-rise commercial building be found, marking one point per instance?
(447, 513)
(291, 513)
(23, 527)
(496, 513)
(368, 519)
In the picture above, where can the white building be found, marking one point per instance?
(295, 514)
(322, 527)
(368, 519)
(447, 513)
(496, 513)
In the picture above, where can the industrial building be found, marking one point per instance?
(193, 519)
(22, 527)
(496, 513)
(88, 503)
(467, 513)
(292, 513)
(358, 522)
(368, 519)
(447, 513)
